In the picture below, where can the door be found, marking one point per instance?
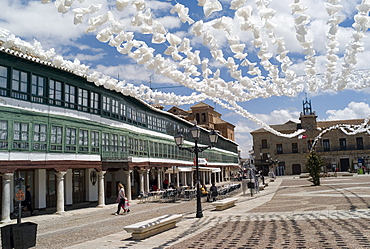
(78, 182)
(344, 164)
(51, 193)
(296, 169)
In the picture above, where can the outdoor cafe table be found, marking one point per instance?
(156, 194)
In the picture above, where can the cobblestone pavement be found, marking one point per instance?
(333, 215)
(289, 213)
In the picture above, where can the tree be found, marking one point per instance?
(314, 166)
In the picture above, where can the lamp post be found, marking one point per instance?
(179, 140)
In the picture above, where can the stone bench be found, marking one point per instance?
(344, 174)
(153, 226)
(304, 175)
(224, 204)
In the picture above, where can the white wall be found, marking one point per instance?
(68, 188)
(91, 190)
(40, 188)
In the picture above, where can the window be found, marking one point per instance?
(105, 142)
(151, 148)
(106, 105)
(3, 134)
(3, 78)
(326, 144)
(115, 110)
(264, 143)
(165, 150)
(84, 140)
(71, 139)
(83, 100)
(39, 136)
(143, 119)
(359, 143)
(150, 122)
(197, 118)
(279, 149)
(294, 147)
(136, 146)
(56, 137)
(129, 116)
(122, 111)
(134, 116)
(114, 143)
(70, 96)
(95, 141)
(122, 144)
(55, 92)
(20, 136)
(94, 102)
(38, 89)
(342, 144)
(19, 85)
(204, 117)
(131, 145)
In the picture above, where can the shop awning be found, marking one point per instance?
(178, 169)
(213, 170)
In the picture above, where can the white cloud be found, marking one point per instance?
(354, 110)
(86, 57)
(279, 116)
(169, 22)
(40, 21)
(135, 74)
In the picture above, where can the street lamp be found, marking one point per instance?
(179, 140)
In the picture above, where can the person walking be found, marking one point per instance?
(120, 198)
(213, 191)
(28, 201)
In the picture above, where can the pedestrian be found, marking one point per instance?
(213, 191)
(165, 183)
(120, 198)
(28, 201)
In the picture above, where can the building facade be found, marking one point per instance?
(206, 116)
(287, 156)
(73, 141)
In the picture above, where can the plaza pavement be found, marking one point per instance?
(289, 213)
(188, 227)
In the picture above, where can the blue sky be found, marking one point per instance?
(33, 20)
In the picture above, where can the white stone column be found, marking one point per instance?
(5, 206)
(191, 179)
(177, 179)
(128, 184)
(60, 192)
(159, 179)
(141, 178)
(101, 195)
(147, 178)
